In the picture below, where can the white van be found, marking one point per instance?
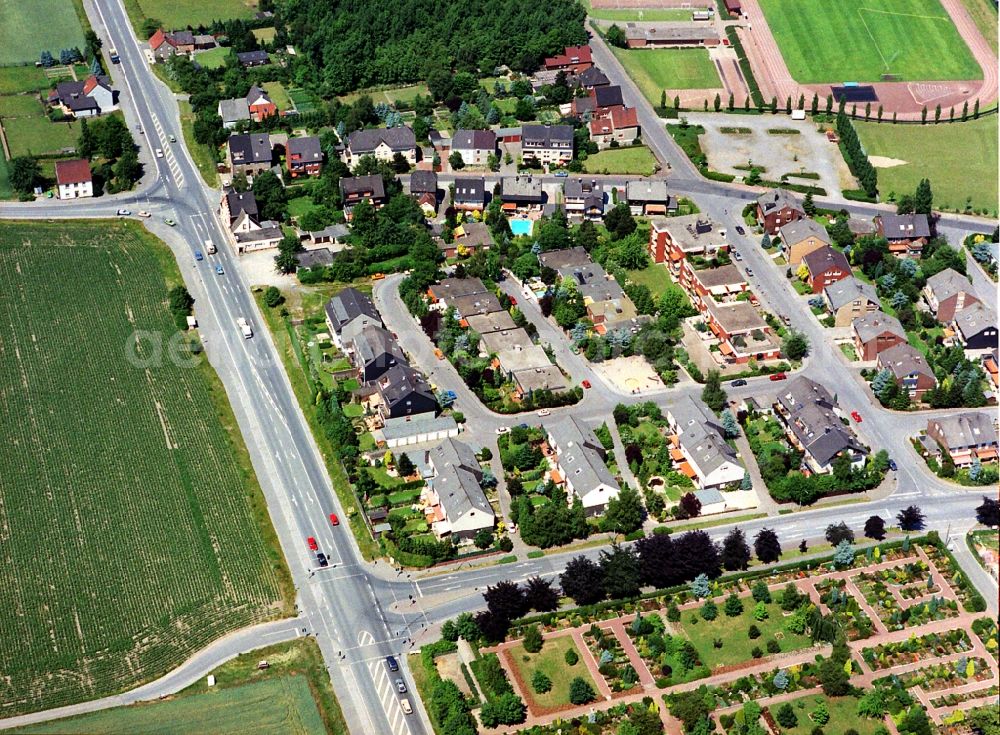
(209, 247)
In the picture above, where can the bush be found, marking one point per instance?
(541, 683)
(773, 646)
(580, 692)
(786, 716)
(506, 545)
(571, 657)
(753, 632)
(756, 652)
(532, 639)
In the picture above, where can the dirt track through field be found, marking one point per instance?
(907, 99)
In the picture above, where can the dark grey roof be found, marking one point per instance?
(250, 148)
(308, 148)
(544, 136)
(397, 139)
(847, 290)
(962, 430)
(314, 258)
(458, 287)
(824, 258)
(904, 360)
(400, 383)
(521, 189)
(581, 455)
(578, 188)
(592, 77)
(376, 345)
(474, 140)
(972, 320)
(361, 184)
(778, 199)
(183, 38)
(239, 202)
(566, 258)
(470, 190)
(252, 57)
(905, 226)
(811, 418)
(423, 182)
(608, 96)
(947, 283)
(347, 306)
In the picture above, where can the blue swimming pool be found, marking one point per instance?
(521, 226)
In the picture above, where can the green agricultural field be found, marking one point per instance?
(551, 661)
(213, 58)
(655, 70)
(859, 40)
(134, 529)
(736, 644)
(28, 28)
(182, 13)
(293, 695)
(843, 711)
(38, 136)
(960, 159)
(634, 160)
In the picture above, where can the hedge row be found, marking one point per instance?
(734, 41)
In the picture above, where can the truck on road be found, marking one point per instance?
(114, 56)
(209, 246)
(245, 328)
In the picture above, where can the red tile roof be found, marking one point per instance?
(73, 172)
(624, 117)
(572, 55)
(157, 39)
(88, 86)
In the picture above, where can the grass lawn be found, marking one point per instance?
(736, 645)
(298, 206)
(278, 95)
(293, 695)
(960, 159)
(633, 160)
(648, 15)
(551, 661)
(302, 100)
(859, 40)
(213, 58)
(5, 191)
(264, 35)
(182, 13)
(394, 94)
(204, 160)
(21, 105)
(657, 69)
(39, 136)
(165, 543)
(654, 277)
(27, 28)
(984, 14)
(17, 79)
(843, 712)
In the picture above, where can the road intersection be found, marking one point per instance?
(361, 611)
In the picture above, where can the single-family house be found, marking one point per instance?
(347, 313)
(304, 156)
(457, 507)
(357, 189)
(260, 105)
(559, 260)
(403, 391)
(589, 78)
(850, 298)
(466, 306)
(906, 233)
(966, 437)
(825, 266)
(468, 238)
(909, 369)
(249, 154)
(583, 198)
(249, 59)
(73, 179)
(698, 445)
(620, 125)
(521, 193)
(373, 351)
(470, 194)
(474, 146)
(233, 112)
(607, 98)
(742, 332)
(424, 181)
(164, 45)
(87, 98)
(800, 237)
(453, 288)
(875, 332)
(812, 424)
(975, 327)
(947, 293)
(647, 197)
(578, 462)
(491, 343)
(383, 143)
(547, 145)
(574, 60)
(497, 321)
(776, 208)
(234, 203)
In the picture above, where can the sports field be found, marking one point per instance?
(648, 15)
(960, 159)
(28, 28)
(860, 40)
(182, 13)
(655, 70)
(134, 531)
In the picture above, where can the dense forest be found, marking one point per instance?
(345, 45)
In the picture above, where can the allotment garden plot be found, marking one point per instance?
(132, 534)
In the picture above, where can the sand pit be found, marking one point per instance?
(885, 162)
(629, 374)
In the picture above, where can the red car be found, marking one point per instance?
(856, 416)
(513, 301)
(312, 543)
(585, 384)
(778, 376)
(334, 520)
